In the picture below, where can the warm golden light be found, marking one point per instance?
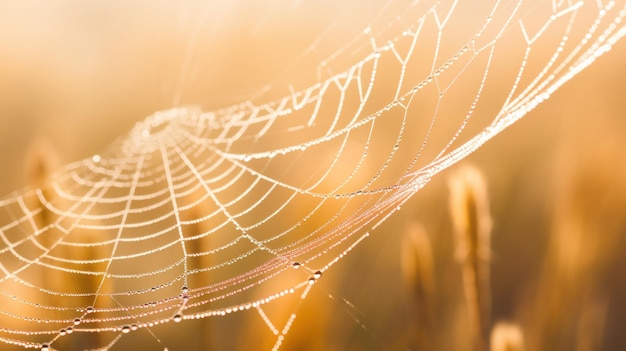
(272, 174)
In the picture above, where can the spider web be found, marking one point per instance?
(197, 215)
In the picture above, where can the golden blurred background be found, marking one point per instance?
(75, 75)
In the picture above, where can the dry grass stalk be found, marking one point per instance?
(591, 325)
(469, 209)
(506, 337)
(199, 246)
(418, 277)
(40, 163)
(585, 240)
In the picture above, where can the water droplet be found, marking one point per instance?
(90, 309)
(62, 332)
(134, 327)
(96, 158)
(125, 329)
(69, 330)
(76, 321)
(184, 290)
(317, 275)
(178, 318)
(311, 280)
(45, 347)
(296, 265)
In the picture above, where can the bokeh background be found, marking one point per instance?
(75, 75)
